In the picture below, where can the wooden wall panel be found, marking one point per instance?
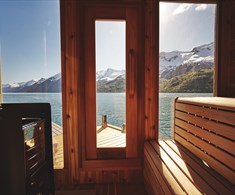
(74, 77)
(70, 93)
(151, 69)
(131, 82)
(226, 49)
(110, 176)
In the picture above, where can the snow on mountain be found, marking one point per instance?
(51, 84)
(14, 85)
(171, 60)
(31, 82)
(172, 64)
(109, 74)
(55, 77)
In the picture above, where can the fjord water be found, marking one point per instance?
(55, 99)
(110, 104)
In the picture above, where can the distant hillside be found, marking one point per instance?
(193, 82)
(187, 71)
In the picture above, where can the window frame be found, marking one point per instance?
(91, 152)
(215, 76)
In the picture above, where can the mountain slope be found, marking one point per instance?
(193, 82)
(52, 84)
(181, 62)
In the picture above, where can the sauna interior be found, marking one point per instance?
(200, 157)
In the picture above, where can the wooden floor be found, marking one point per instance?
(106, 189)
(111, 136)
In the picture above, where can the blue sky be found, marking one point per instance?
(184, 26)
(106, 43)
(30, 36)
(30, 40)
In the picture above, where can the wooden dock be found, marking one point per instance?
(108, 136)
(57, 141)
(111, 136)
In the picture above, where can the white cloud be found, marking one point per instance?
(182, 8)
(201, 7)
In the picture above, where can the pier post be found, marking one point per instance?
(104, 121)
(124, 127)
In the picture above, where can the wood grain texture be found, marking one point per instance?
(151, 69)
(197, 127)
(226, 36)
(70, 69)
(183, 168)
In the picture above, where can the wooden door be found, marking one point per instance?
(130, 15)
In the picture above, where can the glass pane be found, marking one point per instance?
(30, 58)
(111, 83)
(186, 57)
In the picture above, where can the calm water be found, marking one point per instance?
(55, 99)
(166, 111)
(111, 104)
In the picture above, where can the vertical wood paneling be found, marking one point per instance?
(90, 84)
(131, 82)
(226, 39)
(151, 69)
(70, 65)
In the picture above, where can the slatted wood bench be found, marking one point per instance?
(201, 158)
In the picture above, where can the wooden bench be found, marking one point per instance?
(201, 158)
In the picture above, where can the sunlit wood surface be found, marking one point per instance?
(57, 141)
(110, 136)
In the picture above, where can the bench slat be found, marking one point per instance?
(218, 102)
(223, 170)
(163, 171)
(209, 175)
(182, 179)
(208, 148)
(150, 172)
(222, 129)
(218, 115)
(208, 136)
(188, 171)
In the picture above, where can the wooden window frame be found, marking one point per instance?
(216, 34)
(91, 151)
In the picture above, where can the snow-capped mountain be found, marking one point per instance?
(109, 74)
(172, 64)
(52, 84)
(110, 80)
(180, 62)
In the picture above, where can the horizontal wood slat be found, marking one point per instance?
(168, 164)
(207, 128)
(164, 173)
(181, 178)
(218, 115)
(218, 183)
(223, 170)
(217, 153)
(212, 138)
(218, 128)
(188, 170)
(218, 102)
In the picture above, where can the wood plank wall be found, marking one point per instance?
(76, 170)
(70, 101)
(226, 49)
(73, 80)
(151, 68)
